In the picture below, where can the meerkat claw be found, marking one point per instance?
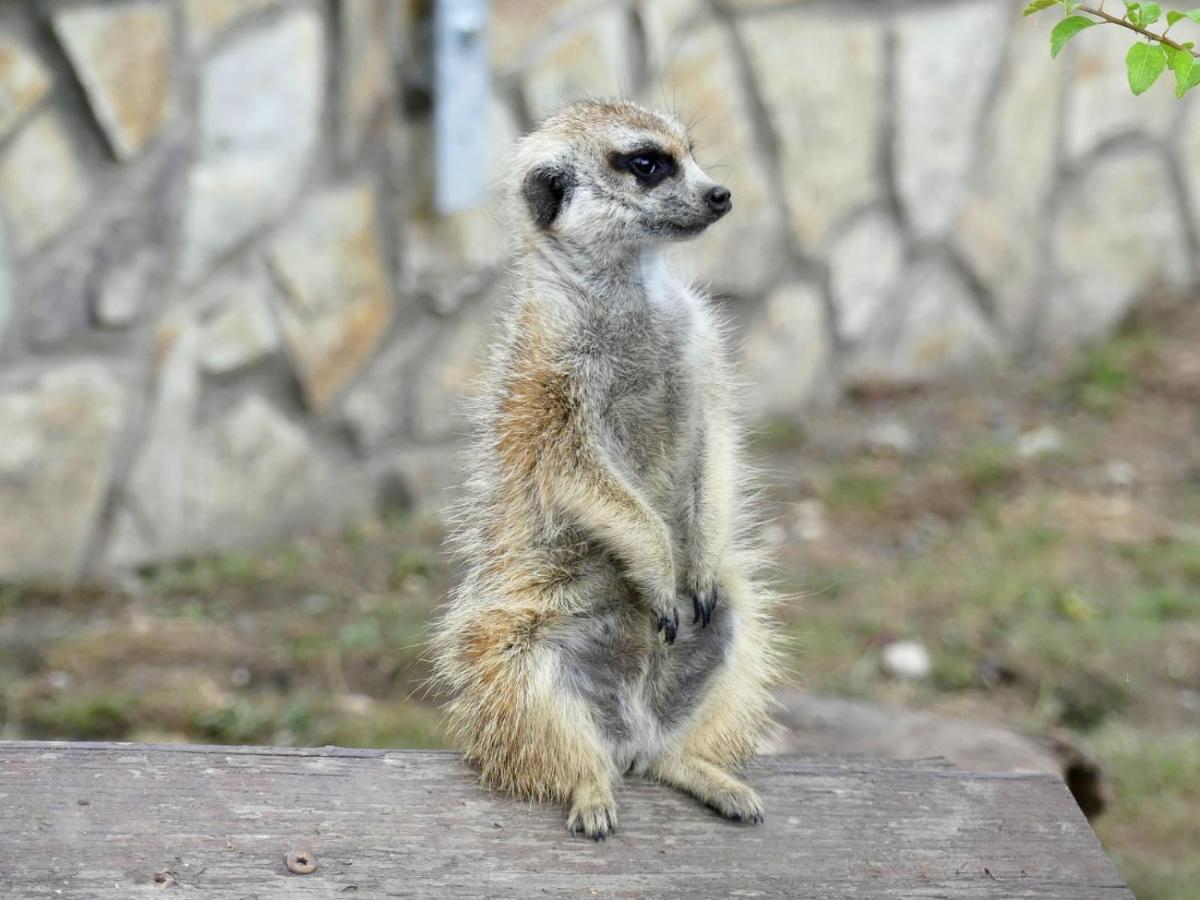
(595, 822)
(698, 606)
(669, 626)
(711, 606)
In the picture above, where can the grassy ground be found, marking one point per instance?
(1055, 586)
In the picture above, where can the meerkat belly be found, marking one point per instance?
(639, 692)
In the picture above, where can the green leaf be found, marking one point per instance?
(1193, 14)
(1181, 64)
(1151, 12)
(1173, 16)
(1065, 30)
(1038, 6)
(1186, 69)
(1145, 63)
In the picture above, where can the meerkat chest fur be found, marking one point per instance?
(656, 338)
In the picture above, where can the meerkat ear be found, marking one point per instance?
(547, 189)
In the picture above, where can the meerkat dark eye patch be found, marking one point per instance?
(547, 189)
(649, 166)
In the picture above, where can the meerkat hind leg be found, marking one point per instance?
(711, 785)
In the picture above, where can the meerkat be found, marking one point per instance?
(605, 490)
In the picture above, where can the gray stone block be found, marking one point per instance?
(864, 268)
(246, 476)
(6, 297)
(946, 61)
(42, 183)
(1189, 153)
(786, 354)
(931, 329)
(236, 318)
(121, 53)
(378, 408)
(450, 259)
(591, 61)
(1118, 234)
(1003, 220)
(61, 426)
(821, 78)
(367, 35)
(206, 19)
(337, 298)
(24, 81)
(116, 269)
(449, 373)
(517, 27)
(259, 120)
(664, 21)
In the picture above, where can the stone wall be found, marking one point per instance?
(228, 312)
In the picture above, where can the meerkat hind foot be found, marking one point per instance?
(713, 786)
(739, 803)
(593, 814)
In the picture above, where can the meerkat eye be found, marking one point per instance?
(643, 166)
(648, 165)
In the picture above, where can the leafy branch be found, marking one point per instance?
(1147, 60)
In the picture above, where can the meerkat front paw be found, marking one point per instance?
(596, 819)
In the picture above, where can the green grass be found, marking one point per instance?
(860, 487)
(989, 466)
(93, 715)
(778, 434)
(1107, 372)
(316, 641)
(1152, 828)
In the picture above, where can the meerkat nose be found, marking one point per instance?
(719, 199)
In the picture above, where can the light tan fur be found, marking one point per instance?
(606, 491)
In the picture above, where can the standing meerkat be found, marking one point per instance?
(605, 491)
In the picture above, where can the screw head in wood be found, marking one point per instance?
(300, 862)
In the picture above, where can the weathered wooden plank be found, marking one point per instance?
(100, 820)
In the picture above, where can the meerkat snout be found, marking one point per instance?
(720, 200)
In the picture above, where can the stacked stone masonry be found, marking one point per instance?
(228, 311)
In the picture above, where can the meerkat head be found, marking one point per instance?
(613, 172)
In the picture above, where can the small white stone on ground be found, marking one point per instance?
(907, 660)
(1044, 441)
(1119, 473)
(774, 535)
(889, 437)
(811, 523)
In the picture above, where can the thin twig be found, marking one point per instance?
(1161, 38)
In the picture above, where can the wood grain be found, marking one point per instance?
(102, 820)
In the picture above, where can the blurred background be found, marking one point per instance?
(249, 259)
